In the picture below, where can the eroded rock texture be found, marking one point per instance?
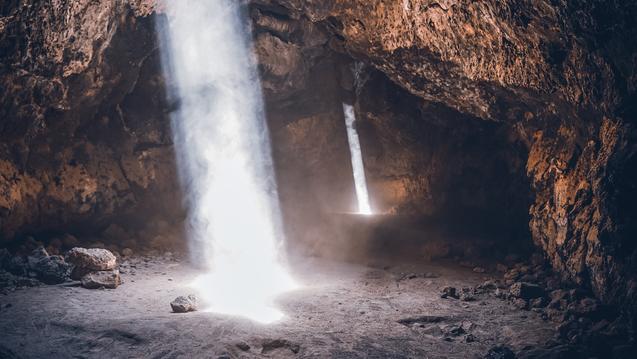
(83, 134)
(465, 107)
(560, 74)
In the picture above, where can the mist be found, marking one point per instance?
(224, 157)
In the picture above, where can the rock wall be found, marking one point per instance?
(84, 136)
(561, 74)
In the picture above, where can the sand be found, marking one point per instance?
(343, 311)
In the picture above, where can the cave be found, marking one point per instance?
(381, 178)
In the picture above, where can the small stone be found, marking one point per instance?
(449, 292)
(470, 338)
(454, 330)
(526, 290)
(101, 279)
(467, 295)
(520, 303)
(183, 304)
(488, 285)
(538, 302)
(433, 330)
(479, 270)
(500, 352)
(421, 320)
(95, 259)
(271, 345)
(467, 325)
(243, 346)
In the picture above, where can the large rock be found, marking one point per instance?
(48, 269)
(92, 259)
(101, 279)
(51, 270)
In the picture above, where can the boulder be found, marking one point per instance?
(183, 304)
(36, 255)
(92, 259)
(51, 270)
(526, 291)
(101, 279)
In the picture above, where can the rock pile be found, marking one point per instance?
(94, 267)
(584, 326)
(38, 267)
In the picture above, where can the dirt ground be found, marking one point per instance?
(343, 311)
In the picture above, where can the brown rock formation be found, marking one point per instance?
(561, 73)
(84, 135)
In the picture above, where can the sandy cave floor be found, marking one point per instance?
(345, 311)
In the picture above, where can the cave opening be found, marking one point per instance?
(334, 179)
(358, 167)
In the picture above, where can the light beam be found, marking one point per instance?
(357, 161)
(224, 157)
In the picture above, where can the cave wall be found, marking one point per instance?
(86, 141)
(427, 159)
(423, 160)
(84, 137)
(560, 73)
